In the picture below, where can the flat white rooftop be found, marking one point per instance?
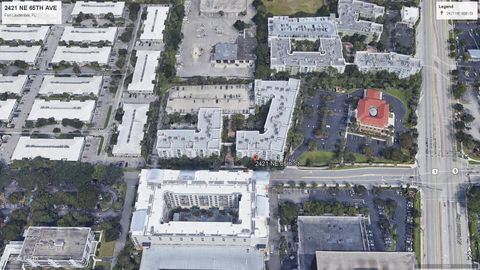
(74, 109)
(82, 55)
(23, 32)
(12, 84)
(131, 130)
(54, 149)
(6, 108)
(22, 53)
(88, 35)
(153, 184)
(52, 85)
(144, 74)
(155, 23)
(98, 8)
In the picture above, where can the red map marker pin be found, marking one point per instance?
(255, 157)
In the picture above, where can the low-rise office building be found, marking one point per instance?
(154, 24)
(240, 54)
(131, 130)
(270, 145)
(334, 260)
(373, 114)
(6, 109)
(99, 8)
(410, 15)
(12, 84)
(75, 86)
(53, 149)
(53, 247)
(402, 65)
(73, 109)
(23, 33)
(143, 81)
(240, 195)
(82, 55)
(303, 28)
(352, 15)
(89, 35)
(205, 141)
(27, 54)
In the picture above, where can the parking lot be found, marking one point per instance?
(200, 34)
(385, 206)
(334, 108)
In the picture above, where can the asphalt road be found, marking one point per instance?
(444, 224)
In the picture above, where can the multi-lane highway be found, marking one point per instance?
(444, 223)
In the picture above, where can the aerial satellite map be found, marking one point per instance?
(239, 134)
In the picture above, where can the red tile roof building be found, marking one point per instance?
(373, 113)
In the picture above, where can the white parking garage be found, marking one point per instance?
(98, 8)
(144, 74)
(23, 32)
(21, 53)
(131, 130)
(155, 23)
(12, 84)
(6, 109)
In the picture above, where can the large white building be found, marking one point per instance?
(155, 23)
(283, 31)
(400, 64)
(89, 35)
(352, 15)
(53, 149)
(6, 109)
(270, 145)
(205, 141)
(82, 55)
(51, 247)
(131, 130)
(99, 8)
(143, 80)
(76, 86)
(12, 84)
(21, 53)
(23, 32)
(73, 109)
(244, 193)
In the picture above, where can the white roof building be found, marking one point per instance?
(400, 64)
(23, 32)
(143, 80)
(410, 15)
(6, 109)
(350, 18)
(53, 149)
(131, 130)
(282, 30)
(155, 23)
(89, 35)
(99, 8)
(205, 141)
(76, 86)
(12, 84)
(160, 191)
(22, 53)
(73, 109)
(270, 145)
(82, 55)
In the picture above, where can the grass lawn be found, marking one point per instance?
(289, 7)
(106, 265)
(416, 228)
(317, 158)
(106, 249)
(109, 112)
(361, 158)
